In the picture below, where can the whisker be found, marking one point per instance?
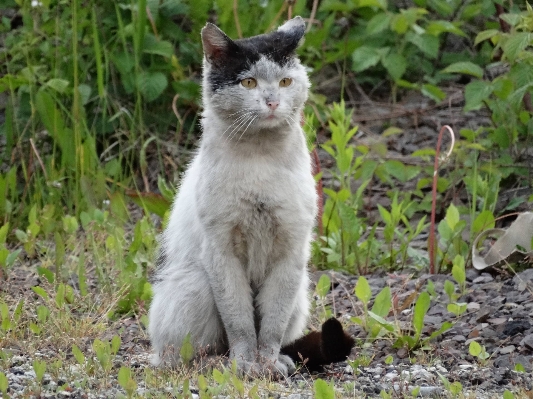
(247, 126)
(237, 121)
(239, 126)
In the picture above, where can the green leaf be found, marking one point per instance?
(419, 312)
(428, 44)
(456, 308)
(484, 35)
(323, 390)
(485, 220)
(154, 203)
(475, 93)
(362, 290)
(187, 350)
(364, 57)
(395, 64)
(59, 85)
(323, 286)
(465, 67)
(4, 383)
(449, 289)
(39, 291)
(151, 84)
(159, 47)
(382, 303)
(39, 366)
(435, 28)
(508, 394)
(474, 348)
(78, 355)
(516, 44)
(452, 216)
(378, 23)
(433, 92)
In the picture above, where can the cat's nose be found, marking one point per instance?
(273, 105)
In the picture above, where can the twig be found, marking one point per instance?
(236, 18)
(152, 22)
(289, 12)
(312, 16)
(39, 159)
(431, 242)
(277, 16)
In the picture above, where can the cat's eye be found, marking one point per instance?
(285, 82)
(249, 83)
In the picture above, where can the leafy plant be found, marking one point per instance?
(477, 350)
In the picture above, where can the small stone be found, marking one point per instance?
(402, 353)
(483, 315)
(294, 396)
(507, 349)
(497, 321)
(459, 338)
(484, 278)
(527, 341)
(473, 306)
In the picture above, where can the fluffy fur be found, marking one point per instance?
(232, 269)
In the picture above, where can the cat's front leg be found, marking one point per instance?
(233, 298)
(277, 304)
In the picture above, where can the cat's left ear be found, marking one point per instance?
(215, 42)
(293, 30)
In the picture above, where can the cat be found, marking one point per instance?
(232, 269)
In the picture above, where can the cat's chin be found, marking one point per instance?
(271, 122)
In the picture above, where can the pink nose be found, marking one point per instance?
(273, 105)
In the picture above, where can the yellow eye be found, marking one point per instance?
(285, 82)
(249, 83)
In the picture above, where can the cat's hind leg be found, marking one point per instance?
(183, 304)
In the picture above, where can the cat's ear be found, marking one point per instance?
(293, 31)
(215, 42)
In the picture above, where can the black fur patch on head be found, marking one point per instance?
(230, 58)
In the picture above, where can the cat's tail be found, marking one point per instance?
(319, 348)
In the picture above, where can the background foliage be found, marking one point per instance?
(101, 101)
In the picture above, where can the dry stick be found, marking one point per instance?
(39, 159)
(312, 16)
(431, 243)
(152, 22)
(236, 17)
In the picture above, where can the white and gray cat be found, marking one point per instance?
(232, 269)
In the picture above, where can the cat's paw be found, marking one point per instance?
(287, 361)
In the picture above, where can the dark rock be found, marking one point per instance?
(514, 327)
(483, 315)
(509, 361)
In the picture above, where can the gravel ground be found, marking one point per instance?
(499, 316)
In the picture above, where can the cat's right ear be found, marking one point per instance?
(215, 42)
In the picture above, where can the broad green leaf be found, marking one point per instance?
(362, 290)
(382, 303)
(59, 85)
(452, 216)
(323, 390)
(433, 92)
(151, 84)
(508, 394)
(159, 47)
(384, 323)
(484, 35)
(515, 44)
(419, 312)
(458, 269)
(428, 44)
(4, 383)
(449, 289)
(373, 3)
(154, 203)
(465, 67)
(483, 221)
(187, 350)
(435, 28)
(378, 23)
(474, 348)
(395, 64)
(364, 57)
(456, 308)
(78, 355)
(323, 286)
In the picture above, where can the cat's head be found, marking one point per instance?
(256, 82)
